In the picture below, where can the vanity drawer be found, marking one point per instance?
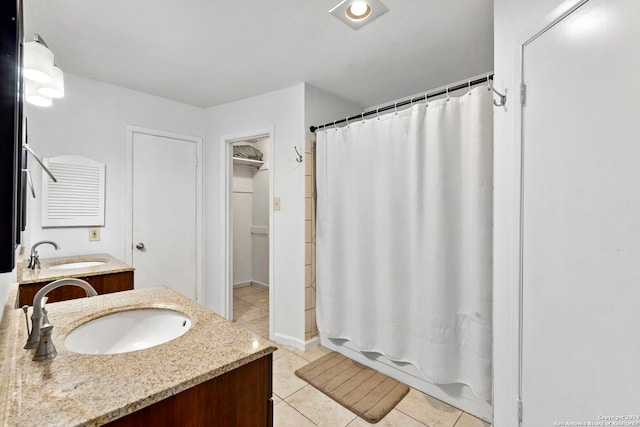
(102, 283)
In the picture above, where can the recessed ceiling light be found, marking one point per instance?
(358, 10)
(356, 13)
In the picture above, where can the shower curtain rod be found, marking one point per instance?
(406, 102)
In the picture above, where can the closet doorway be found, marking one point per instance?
(249, 236)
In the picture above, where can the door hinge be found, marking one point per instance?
(519, 410)
(523, 93)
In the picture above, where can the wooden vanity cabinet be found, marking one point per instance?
(102, 283)
(241, 397)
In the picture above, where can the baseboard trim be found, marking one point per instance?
(260, 284)
(312, 343)
(242, 284)
(289, 340)
(250, 283)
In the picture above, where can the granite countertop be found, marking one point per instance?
(48, 274)
(90, 390)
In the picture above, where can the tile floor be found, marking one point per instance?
(297, 404)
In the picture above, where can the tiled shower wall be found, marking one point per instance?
(311, 329)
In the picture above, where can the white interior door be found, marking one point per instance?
(581, 219)
(164, 212)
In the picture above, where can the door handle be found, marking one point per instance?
(140, 246)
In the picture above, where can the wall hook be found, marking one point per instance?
(503, 98)
(299, 156)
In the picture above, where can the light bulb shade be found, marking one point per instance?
(38, 62)
(55, 88)
(33, 97)
(358, 10)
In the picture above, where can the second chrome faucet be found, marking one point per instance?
(34, 260)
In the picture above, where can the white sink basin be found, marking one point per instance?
(127, 331)
(81, 264)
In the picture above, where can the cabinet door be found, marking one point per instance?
(241, 397)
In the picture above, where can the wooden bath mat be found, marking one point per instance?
(361, 390)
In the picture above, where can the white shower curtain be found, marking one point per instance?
(404, 237)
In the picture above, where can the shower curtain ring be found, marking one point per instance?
(378, 113)
(448, 97)
(469, 87)
(395, 107)
(426, 100)
(334, 125)
(347, 120)
(362, 115)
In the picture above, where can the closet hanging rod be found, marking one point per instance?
(395, 105)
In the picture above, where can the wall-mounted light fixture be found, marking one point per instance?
(356, 13)
(43, 80)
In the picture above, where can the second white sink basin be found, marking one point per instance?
(80, 264)
(127, 331)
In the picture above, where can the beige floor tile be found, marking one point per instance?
(262, 305)
(240, 303)
(259, 325)
(281, 351)
(394, 418)
(256, 297)
(289, 348)
(285, 382)
(276, 400)
(428, 410)
(313, 354)
(257, 300)
(246, 314)
(467, 420)
(285, 416)
(245, 290)
(320, 408)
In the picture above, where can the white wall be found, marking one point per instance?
(90, 121)
(322, 107)
(261, 207)
(242, 200)
(289, 112)
(512, 19)
(6, 279)
(282, 110)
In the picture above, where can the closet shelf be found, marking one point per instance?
(247, 162)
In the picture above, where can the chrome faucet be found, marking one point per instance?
(42, 341)
(34, 260)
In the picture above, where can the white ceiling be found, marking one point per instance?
(208, 52)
